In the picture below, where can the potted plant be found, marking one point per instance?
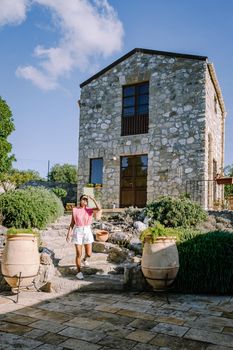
(160, 259)
(20, 260)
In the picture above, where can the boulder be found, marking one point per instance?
(120, 237)
(119, 255)
(140, 226)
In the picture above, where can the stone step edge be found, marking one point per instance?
(66, 285)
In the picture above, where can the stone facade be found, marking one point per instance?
(186, 125)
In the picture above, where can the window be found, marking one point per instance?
(96, 171)
(135, 109)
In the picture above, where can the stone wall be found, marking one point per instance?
(214, 141)
(175, 143)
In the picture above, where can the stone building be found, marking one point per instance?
(152, 124)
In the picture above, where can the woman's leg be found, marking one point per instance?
(78, 256)
(88, 250)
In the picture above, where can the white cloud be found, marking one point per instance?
(37, 77)
(90, 29)
(13, 11)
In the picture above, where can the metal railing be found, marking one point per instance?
(137, 124)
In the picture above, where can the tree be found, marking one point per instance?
(65, 173)
(6, 128)
(228, 189)
(15, 178)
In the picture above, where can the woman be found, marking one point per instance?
(80, 226)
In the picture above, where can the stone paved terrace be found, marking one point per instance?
(98, 320)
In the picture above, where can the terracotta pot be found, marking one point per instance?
(20, 255)
(102, 235)
(160, 262)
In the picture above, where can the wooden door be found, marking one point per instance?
(133, 185)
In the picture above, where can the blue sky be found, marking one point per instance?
(48, 47)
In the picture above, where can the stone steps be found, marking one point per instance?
(101, 275)
(96, 258)
(90, 283)
(100, 269)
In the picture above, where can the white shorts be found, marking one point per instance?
(82, 235)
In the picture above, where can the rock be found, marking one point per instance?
(118, 270)
(140, 226)
(3, 285)
(118, 255)
(45, 274)
(134, 279)
(120, 237)
(137, 259)
(107, 226)
(2, 241)
(101, 247)
(47, 288)
(136, 245)
(146, 220)
(3, 230)
(225, 221)
(220, 226)
(46, 251)
(45, 259)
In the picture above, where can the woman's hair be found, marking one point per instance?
(83, 196)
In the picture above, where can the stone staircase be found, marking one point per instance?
(100, 275)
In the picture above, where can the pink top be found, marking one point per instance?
(82, 216)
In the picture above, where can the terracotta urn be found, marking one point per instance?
(102, 235)
(20, 260)
(160, 262)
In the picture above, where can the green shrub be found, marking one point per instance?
(206, 263)
(30, 207)
(16, 231)
(59, 192)
(158, 230)
(176, 212)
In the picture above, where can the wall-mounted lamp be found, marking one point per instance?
(114, 158)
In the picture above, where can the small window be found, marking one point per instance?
(136, 96)
(96, 171)
(135, 109)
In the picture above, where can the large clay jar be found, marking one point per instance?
(102, 235)
(20, 260)
(160, 262)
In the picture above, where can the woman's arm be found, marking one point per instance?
(98, 207)
(70, 229)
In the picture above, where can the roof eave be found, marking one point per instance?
(145, 51)
(217, 88)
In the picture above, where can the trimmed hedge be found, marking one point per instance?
(176, 212)
(30, 207)
(206, 263)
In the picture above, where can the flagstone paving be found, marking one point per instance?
(119, 320)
